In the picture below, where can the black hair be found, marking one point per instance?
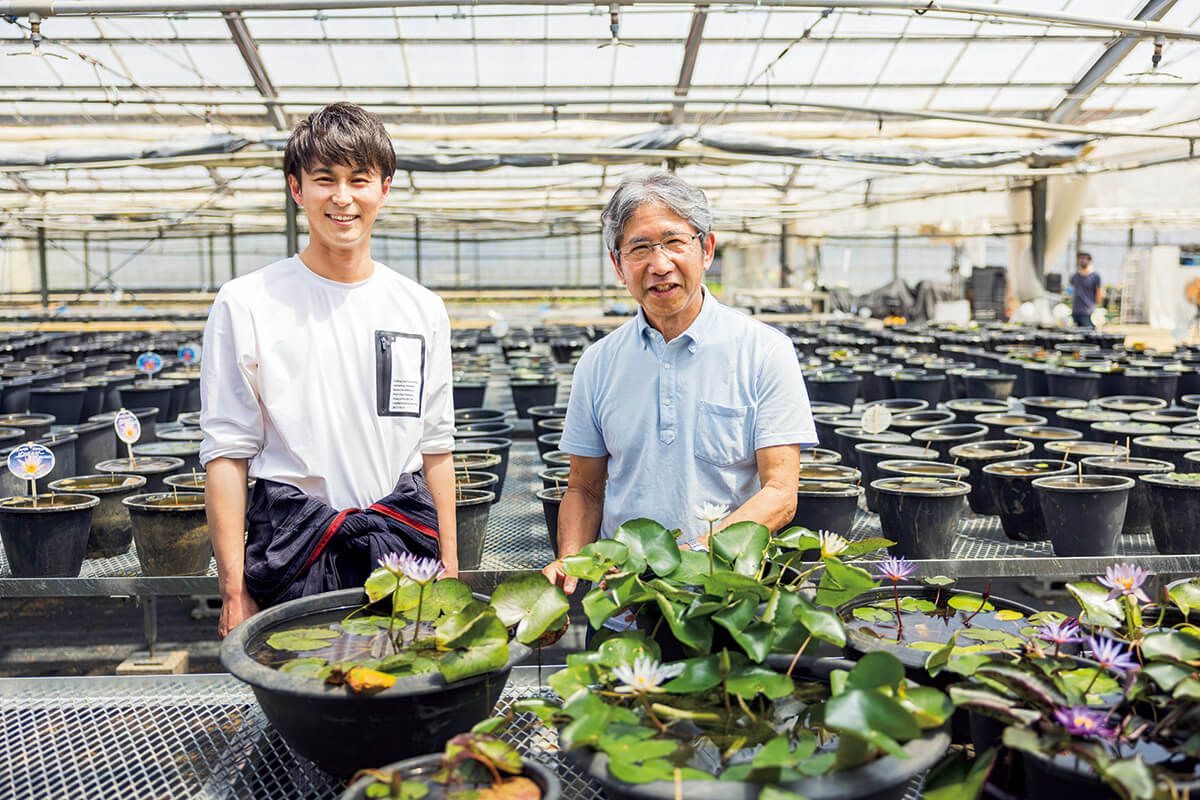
(340, 133)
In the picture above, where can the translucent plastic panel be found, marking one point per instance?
(512, 65)
(73, 71)
(1125, 9)
(162, 65)
(64, 27)
(648, 65)
(1026, 99)
(581, 65)
(581, 22)
(370, 65)
(419, 22)
(867, 21)
(722, 64)
(1179, 58)
(900, 98)
(444, 65)
(919, 62)
(299, 65)
(962, 99)
(990, 62)
(27, 70)
(854, 97)
(1151, 97)
(657, 23)
(733, 23)
(201, 25)
(848, 63)
(1065, 61)
(365, 23)
(283, 23)
(148, 27)
(220, 64)
(1183, 15)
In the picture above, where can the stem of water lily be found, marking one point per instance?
(899, 619)
(1092, 683)
(392, 618)
(420, 603)
(655, 721)
(796, 657)
(711, 566)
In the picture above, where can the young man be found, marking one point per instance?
(688, 403)
(326, 377)
(1087, 291)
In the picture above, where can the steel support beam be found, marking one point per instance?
(289, 216)
(785, 267)
(895, 254)
(232, 253)
(1070, 107)
(417, 245)
(1038, 229)
(687, 68)
(258, 70)
(43, 271)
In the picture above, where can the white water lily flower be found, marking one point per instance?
(645, 675)
(832, 544)
(712, 513)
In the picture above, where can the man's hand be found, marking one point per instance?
(554, 573)
(449, 570)
(235, 609)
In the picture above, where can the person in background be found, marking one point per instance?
(326, 377)
(690, 402)
(1087, 291)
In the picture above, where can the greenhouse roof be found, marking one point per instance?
(836, 116)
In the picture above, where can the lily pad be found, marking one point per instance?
(301, 639)
(969, 603)
(871, 614)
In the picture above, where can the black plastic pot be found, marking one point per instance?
(1035, 382)
(62, 401)
(532, 393)
(975, 456)
(823, 407)
(14, 394)
(472, 507)
(900, 405)
(46, 537)
(839, 473)
(997, 423)
(1080, 384)
(826, 506)
(910, 421)
(474, 415)
(543, 414)
(871, 453)
(171, 532)
(1137, 511)
(1170, 417)
(1162, 384)
(547, 442)
(921, 468)
(1011, 484)
(827, 425)
(965, 409)
(153, 469)
(1174, 512)
(918, 384)
(1050, 406)
(339, 730)
(944, 437)
(1119, 431)
(95, 443)
(1130, 403)
(148, 417)
(1040, 435)
(1078, 449)
(1082, 420)
(1068, 777)
(557, 458)
(188, 452)
(469, 394)
(554, 477)
(551, 500)
(420, 769)
(144, 394)
(988, 383)
(497, 446)
(1167, 447)
(847, 438)
(840, 388)
(819, 455)
(111, 531)
(920, 514)
(35, 425)
(1083, 516)
(482, 430)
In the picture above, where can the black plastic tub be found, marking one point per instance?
(1081, 385)
(989, 383)
(975, 456)
(1167, 447)
(826, 505)
(420, 769)
(46, 537)
(1130, 403)
(1162, 384)
(1011, 484)
(909, 421)
(1137, 511)
(921, 514)
(870, 454)
(1050, 406)
(918, 384)
(1083, 514)
(847, 438)
(552, 498)
(1082, 420)
(1174, 511)
(1040, 435)
(944, 437)
(840, 387)
(495, 445)
(997, 423)
(965, 409)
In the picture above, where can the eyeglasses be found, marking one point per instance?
(677, 244)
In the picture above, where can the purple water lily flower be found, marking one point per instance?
(1083, 721)
(421, 570)
(392, 563)
(1124, 580)
(896, 569)
(1060, 633)
(1111, 654)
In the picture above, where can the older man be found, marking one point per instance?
(690, 402)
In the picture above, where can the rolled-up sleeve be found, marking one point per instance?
(783, 415)
(437, 432)
(582, 435)
(231, 416)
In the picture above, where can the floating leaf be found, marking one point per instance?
(447, 596)
(300, 639)
(752, 680)
(364, 626)
(912, 604)
(870, 614)
(309, 667)
(1009, 615)
(531, 603)
(380, 584)
(1097, 609)
(698, 675)
(938, 580)
(368, 681)
(969, 603)
(874, 670)
(841, 583)
(625, 648)
(473, 661)
(958, 777)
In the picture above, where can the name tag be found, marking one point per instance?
(399, 373)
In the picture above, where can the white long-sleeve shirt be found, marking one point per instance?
(334, 388)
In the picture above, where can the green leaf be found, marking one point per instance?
(1031, 687)
(1166, 674)
(775, 793)
(1023, 739)
(912, 604)
(938, 580)
(991, 704)
(751, 680)
(822, 623)
(872, 614)
(462, 664)
(301, 639)
(969, 603)
(625, 648)
(447, 596)
(1131, 774)
(1077, 680)
(693, 565)
(309, 667)
(723, 582)
(797, 538)
(649, 544)
(1186, 596)
(1178, 645)
(694, 634)
(530, 602)
(863, 712)
(938, 659)
(861, 547)
(1096, 608)
(1008, 615)
(929, 706)
(595, 560)
(874, 670)
(364, 626)
(598, 606)
(958, 777)
(699, 674)
(576, 676)
(756, 639)
(476, 624)
(742, 544)
(380, 584)
(840, 583)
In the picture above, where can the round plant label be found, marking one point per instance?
(149, 363)
(189, 354)
(30, 461)
(876, 419)
(128, 426)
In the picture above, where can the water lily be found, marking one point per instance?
(1111, 654)
(421, 570)
(391, 562)
(644, 675)
(896, 569)
(1125, 580)
(832, 544)
(1083, 721)
(712, 513)
(1060, 633)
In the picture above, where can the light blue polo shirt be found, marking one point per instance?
(681, 420)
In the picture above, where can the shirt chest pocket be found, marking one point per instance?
(723, 434)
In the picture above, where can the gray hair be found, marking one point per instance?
(657, 188)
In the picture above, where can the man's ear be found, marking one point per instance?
(294, 188)
(387, 186)
(617, 266)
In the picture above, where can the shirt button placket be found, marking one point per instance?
(667, 390)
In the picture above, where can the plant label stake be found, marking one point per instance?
(129, 430)
(875, 419)
(189, 355)
(29, 462)
(149, 364)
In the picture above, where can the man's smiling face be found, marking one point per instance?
(341, 202)
(667, 286)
